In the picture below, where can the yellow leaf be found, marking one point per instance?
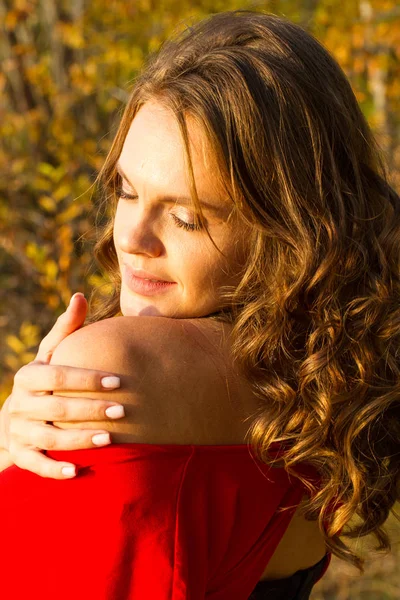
(11, 20)
(15, 344)
(53, 301)
(47, 203)
(29, 333)
(45, 169)
(51, 269)
(27, 357)
(35, 253)
(95, 280)
(53, 173)
(70, 34)
(99, 282)
(42, 184)
(61, 192)
(65, 263)
(70, 213)
(12, 362)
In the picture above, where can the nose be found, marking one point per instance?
(140, 236)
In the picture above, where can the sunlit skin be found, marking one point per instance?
(154, 233)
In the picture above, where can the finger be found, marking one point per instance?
(63, 408)
(70, 320)
(36, 462)
(37, 377)
(49, 437)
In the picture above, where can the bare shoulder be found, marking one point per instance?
(175, 343)
(176, 380)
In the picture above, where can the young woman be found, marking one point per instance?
(253, 231)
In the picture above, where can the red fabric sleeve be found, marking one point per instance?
(142, 522)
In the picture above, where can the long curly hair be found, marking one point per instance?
(316, 316)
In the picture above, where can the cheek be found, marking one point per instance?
(204, 268)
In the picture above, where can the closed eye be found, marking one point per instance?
(178, 221)
(126, 196)
(185, 225)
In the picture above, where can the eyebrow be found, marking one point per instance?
(205, 203)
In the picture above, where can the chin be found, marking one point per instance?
(145, 311)
(140, 307)
(132, 305)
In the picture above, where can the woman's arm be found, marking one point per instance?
(24, 432)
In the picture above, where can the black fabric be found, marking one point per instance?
(296, 587)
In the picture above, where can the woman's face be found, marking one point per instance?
(154, 235)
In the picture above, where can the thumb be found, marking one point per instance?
(70, 320)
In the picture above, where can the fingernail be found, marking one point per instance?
(115, 412)
(68, 471)
(101, 438)
(110, 382)
(74, 296)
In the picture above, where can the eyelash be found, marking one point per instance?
(179, 222)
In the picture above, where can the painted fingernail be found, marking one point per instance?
(77, 294)
(68, 471)
(110, 382)
(74, 296)
(101, 439)
(115, 412)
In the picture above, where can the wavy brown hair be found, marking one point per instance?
(316, 317)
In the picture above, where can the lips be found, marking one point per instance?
(142, 274)
(145, 283)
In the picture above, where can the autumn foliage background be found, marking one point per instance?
(66, 71)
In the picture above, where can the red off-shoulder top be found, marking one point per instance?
(144, 522)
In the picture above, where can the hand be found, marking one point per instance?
(25, 419)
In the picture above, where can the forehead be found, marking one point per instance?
(153, 153)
